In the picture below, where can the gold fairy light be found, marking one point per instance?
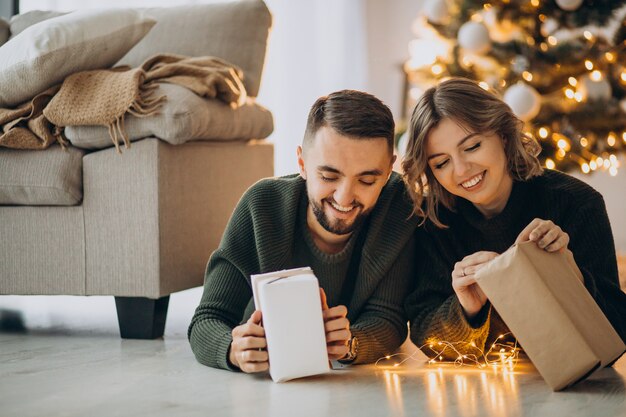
(588, 35)
(527, 75)
(543, 132)
(593, 165)
(609, 56)
(534, 3)
(550, 163)
(572, 81)
(484, 85)
(578, 96)
(595, 75)
(499, 355)
(543, 46)
(611, 139)
(569, 93)
(623, 76)
(624, 137)
(436, 69)
(588, 64)
(584, 142)
(585, 168)
(552, 40)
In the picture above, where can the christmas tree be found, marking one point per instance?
(559, 64)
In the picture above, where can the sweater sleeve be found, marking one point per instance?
(381, 326)
(591, 242)
(433, 308)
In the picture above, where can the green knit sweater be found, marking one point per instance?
(265, 234)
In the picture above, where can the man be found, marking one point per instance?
(346, 215)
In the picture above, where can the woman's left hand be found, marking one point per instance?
(546, 234)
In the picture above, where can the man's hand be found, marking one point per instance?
(470, 296)
(337, 327)
(248, 349)
(546, 234)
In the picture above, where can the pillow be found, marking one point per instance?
(52, 177)
(45, 53)
(4, 31)
(21, 21)
(184, 116)
(234, 31)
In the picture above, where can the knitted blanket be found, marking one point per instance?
(105, 97)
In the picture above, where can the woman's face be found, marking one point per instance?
(471, 165)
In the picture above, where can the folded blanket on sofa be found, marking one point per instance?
(104, 97)
(25, 127)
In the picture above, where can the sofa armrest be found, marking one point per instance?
(154, 214)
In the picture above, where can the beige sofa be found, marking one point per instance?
(142, 224)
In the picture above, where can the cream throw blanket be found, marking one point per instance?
(104, 97)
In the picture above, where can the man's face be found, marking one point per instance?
(344, 177)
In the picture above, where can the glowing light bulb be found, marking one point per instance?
(550, 163)
(596, 75)
(585, 168)
(572, 81)
(588, 64)
(534, 3)
(593, 165)
(623, 76)
(543, 132)
(528, 76)
(578, 96)
(569, 93)
(584, 142)
(552, 40)
(613, 171)
(436, 69)
(562, 143)
(611, 139)
(588, 35)
(484, 85)
(599, 161)
(610, 56)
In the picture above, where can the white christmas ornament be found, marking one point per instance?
(524, 100)
(474, 37)
(594, 90)
(437, 11)
(569, 5)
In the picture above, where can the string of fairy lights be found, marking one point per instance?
(500, 355)
(565, 80)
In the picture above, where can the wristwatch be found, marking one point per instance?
(353, 348)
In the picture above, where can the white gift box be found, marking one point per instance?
(294, 327)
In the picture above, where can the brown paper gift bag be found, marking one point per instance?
(542, 298)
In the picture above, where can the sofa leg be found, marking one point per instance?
(141, 318)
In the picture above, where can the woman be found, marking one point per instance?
(478, 187)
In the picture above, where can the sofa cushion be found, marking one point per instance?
(234, 31)
(45, 53)
(53, 177)
(184, 117)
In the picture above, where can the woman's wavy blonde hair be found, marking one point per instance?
(468, 104)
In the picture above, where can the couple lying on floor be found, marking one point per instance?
(388, 248)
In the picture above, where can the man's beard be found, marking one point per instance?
(339, 226)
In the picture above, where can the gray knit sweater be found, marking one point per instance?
(262, 236)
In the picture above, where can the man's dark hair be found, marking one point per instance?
(351, 113)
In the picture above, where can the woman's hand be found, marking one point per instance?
(248, 350)
(470, 296)
(337, 328)
(546, 234)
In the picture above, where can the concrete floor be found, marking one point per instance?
(62, 356)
